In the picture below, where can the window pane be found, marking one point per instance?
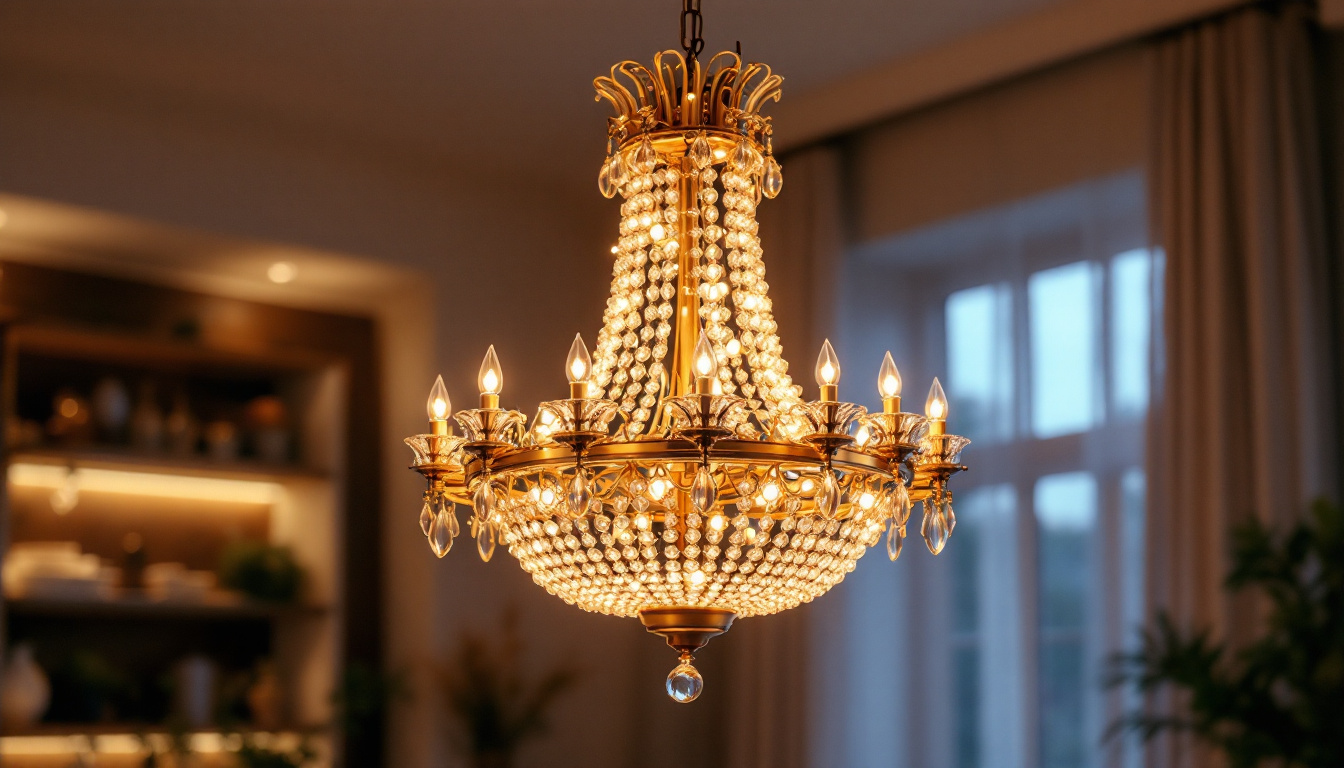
(1131, 320)
(1066, 513)
(987, 630)
(979, 355)
(1063, 317)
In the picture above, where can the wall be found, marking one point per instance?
(507, 265)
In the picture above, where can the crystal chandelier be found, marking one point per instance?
(685, 480)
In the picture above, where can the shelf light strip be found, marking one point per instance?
(130, 744)
(145, 484)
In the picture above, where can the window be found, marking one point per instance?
(1037, 316)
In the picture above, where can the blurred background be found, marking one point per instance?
(239, 240)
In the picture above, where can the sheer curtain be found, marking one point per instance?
(1245, 426)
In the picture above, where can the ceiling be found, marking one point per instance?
(484, 91)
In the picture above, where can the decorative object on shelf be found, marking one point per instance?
(1277, 700)
(182, 428)
(266, 419)
(132, 561)
(70, 421)
(266, 698)
(221, 440)
(494, 708)
(24, 690)
(147, 420)
(261, 571)
(56, 570)
(111, 408)
(194, 691)
(252, 754)
(172, 582)
(65, 497)
(685, 479)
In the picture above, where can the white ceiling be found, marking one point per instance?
(476, 89)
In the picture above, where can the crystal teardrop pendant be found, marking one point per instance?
(701, 153)
(426, 519)
(441, 535)
(645, 159)
(604, 183)
(483, 500)
(948, 515)
(684, 682)
(934, 527)
(895, 540)
(485, 540)
(617, 171)
(705, 491)
(744, 157)
(578, 497)
(828, 496)
(773, 180)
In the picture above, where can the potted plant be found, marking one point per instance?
(1278, 700)
(495, 708)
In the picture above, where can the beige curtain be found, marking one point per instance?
(1244, 425)
(768, 712)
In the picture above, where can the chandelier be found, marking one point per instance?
(686, 480)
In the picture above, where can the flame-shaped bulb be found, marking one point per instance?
(828, 366)
(579, 365)
(705, 363)
(438, 406)
(491, 378)
(935, 408)
(888, 378)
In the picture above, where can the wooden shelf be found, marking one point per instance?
(140, 607)
(135, 729)
(166, 464)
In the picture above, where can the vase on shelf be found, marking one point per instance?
(24, 691)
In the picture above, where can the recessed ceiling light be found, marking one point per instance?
(282, 272)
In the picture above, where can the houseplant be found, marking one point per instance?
(1279, 699)
(495, 708)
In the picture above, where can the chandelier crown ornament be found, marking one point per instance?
(685, 480)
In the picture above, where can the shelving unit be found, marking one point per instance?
(183, 507)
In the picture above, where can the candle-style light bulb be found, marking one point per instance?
(935, 408)
(490, 380)
(438, 406)
(579, 368)
(828, 371)
(889, 385)
(705, 366)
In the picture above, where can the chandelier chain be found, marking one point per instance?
(692, 43)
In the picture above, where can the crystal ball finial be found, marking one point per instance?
(684, 683)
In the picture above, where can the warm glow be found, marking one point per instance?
(163, 486)
(705, 364)
(657, 232)
(733, 346)
(770, 492)
(578, 365)
(658, 488)
(936, 406)
(491, 378)
(808, 485)
(867, 500)
(282, 272)
(438, 406)
(719, 154)
(888, 378)
(615, 249)
(697, 577)
(642, 521)
(716, 522)
(828, 366)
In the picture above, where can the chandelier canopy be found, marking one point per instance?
(686, 480)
